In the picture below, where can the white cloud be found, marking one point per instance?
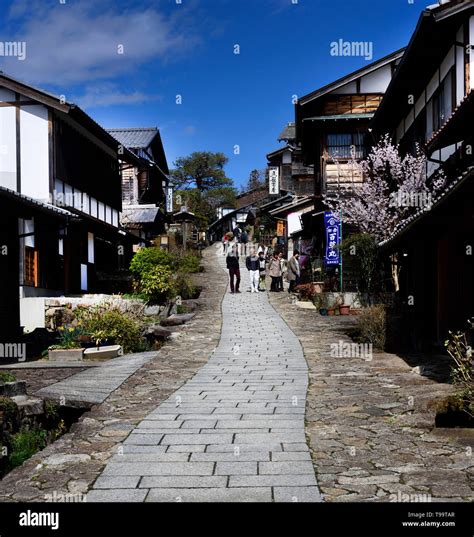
(75, 43)
(108, 94)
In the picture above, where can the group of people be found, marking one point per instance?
(259, 264)
(238, 237)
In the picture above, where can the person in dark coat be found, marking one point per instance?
(232, 262)
(262, 270)
(294, 271)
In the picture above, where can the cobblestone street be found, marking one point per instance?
(235, 432)
(224, 412)
(371, 423)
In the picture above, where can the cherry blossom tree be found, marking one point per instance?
(394, 188)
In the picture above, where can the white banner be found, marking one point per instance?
(169, 199)
(274, 180)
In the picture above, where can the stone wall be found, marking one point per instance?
(50, 312)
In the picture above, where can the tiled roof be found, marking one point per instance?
(296, 202)
(34, 202)
(288, 133)
(136, 215)
(468, 100)
(136, 138)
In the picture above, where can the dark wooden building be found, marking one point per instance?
(56, 154)
(294, 175)
(435, 246)
(332, 130)
(145, 180)
(29, 256)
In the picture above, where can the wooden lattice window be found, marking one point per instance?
(31, 266)
(345, 146)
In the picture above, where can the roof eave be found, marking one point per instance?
(351, 77)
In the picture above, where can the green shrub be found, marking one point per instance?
(361, 248)
(321, 301)
(160, 275)
(156, 284)
(147, 259)
(104, 323)
(188, 263)
(51, 410)
(8, 408)
(25, 444)
(182, 286)
(371, 326)
(5, 376)
(462, 368)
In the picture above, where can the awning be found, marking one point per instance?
(412, 220)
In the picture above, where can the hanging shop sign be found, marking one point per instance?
(333, 238)
(169, 200)
(274, 180)
(280, 228)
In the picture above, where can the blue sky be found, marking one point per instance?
(187, 49)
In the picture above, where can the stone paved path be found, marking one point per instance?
(235, 431)
(95, 384)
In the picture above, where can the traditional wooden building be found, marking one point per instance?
(332, 130)
(294, 175)
(435, 246)
(332, 123)
(145, 180)
(34, 228)
(54, 153)
(289, 216)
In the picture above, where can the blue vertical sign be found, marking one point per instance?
(333, 238)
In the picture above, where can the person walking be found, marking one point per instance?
(253, 266)
(237, 233)
(244, 239)
(283, 269)
(274, 270)
(225, 243)
(232, 262)
(294, 271)
(262, 270)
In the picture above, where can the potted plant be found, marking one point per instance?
(318, 283)
(101, 351)
(338, 302)
(69, 347)
(344, 309)
(321, 303)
